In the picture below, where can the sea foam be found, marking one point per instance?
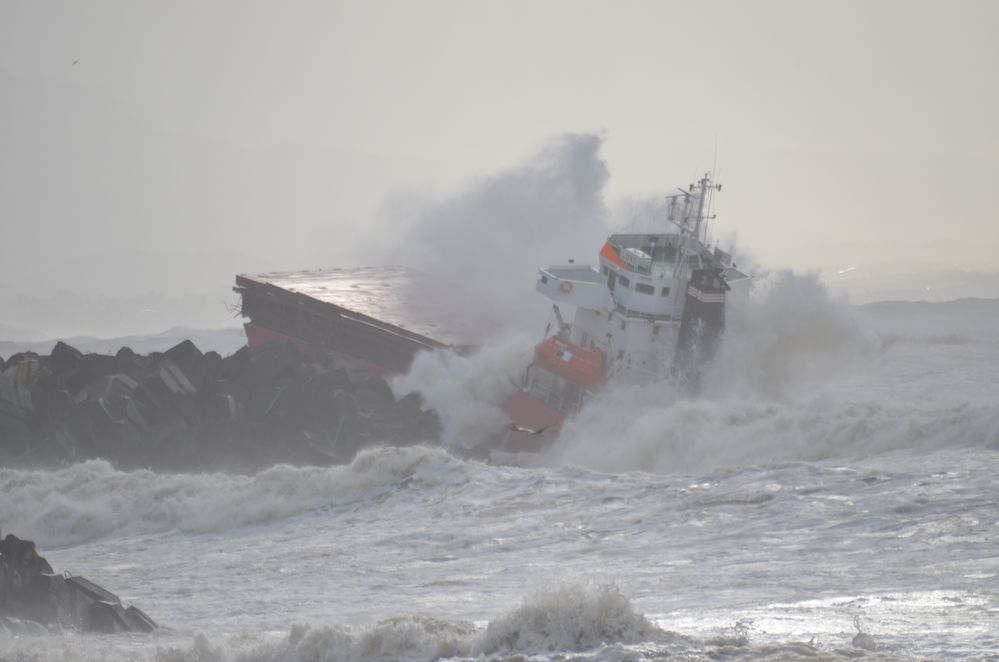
(92, 500)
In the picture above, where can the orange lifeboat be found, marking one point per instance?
(537, 417)
(581, 367)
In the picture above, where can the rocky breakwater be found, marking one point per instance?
(187, 410)
(34, 599)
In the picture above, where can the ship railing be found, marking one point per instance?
(637, 314)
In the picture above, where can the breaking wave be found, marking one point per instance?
(699, 435)
(402, 638)
(92, 500)
(786, 332)
(570, 617)
(466, 390)
(581, 622)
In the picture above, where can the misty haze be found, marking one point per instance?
(377, 331)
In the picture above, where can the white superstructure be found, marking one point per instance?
(655, 307)
(631, 307)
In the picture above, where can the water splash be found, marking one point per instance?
(93, 500)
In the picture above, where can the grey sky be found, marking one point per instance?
(194, 140)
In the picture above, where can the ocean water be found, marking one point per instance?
(830, 496)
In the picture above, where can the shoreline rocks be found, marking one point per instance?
(184, 409)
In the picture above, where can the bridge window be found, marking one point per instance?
(644, 289)
(624, 281)
(665, 292)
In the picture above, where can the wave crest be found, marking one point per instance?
(699, 435)
(788, 331)
(572, 617)
(92, 500)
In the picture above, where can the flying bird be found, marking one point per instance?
(529, 431)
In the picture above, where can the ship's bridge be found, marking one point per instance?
(653, 254)
(638, 277)
(580, 286)
(641, 274)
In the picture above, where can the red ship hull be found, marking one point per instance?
(537, 419)
(310, 310)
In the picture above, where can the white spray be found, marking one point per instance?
(478, 252)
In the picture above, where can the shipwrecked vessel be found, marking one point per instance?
(654, 309)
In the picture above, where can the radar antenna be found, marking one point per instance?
(680, 211)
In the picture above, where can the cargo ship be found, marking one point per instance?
(653, 310)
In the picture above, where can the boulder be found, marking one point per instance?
(187, 410)
(31, 593)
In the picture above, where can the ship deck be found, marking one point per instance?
(383, 294)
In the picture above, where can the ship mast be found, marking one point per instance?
(702, 189)
(705, 186)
